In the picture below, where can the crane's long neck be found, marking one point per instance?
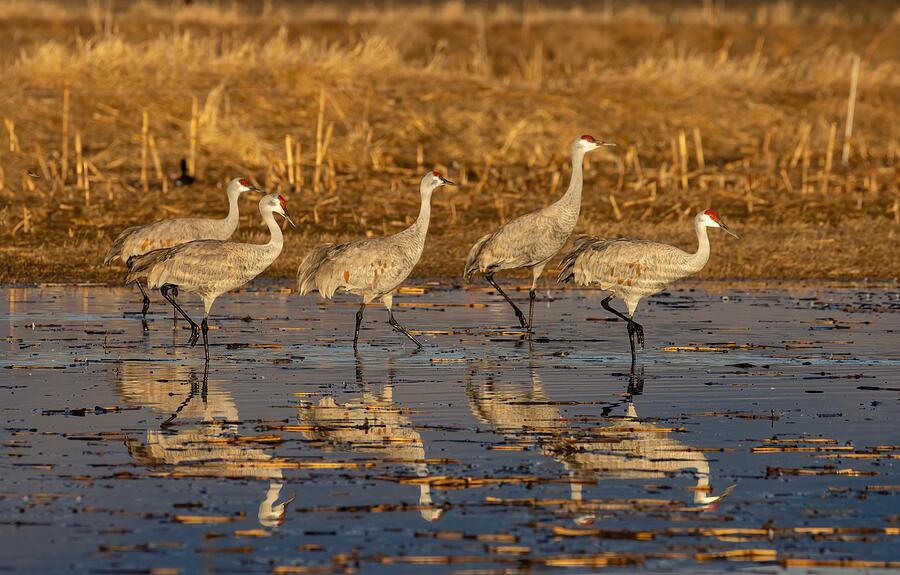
(276, 239)
(230, 223)
(420, 227)
(571, 200)
(699, 258)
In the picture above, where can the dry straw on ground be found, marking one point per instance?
(341, 108)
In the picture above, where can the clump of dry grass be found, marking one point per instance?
(342, 107)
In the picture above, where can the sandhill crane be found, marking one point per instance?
(210, 268)
(634, 269)
(371, 268)
(138, 240)
(530, 241)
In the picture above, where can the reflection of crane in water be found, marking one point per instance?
(372, 423)
(627, 449)
(202, 449)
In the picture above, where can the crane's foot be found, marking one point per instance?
(639, 334)
(396, 325)
(522, 321)
(145, 307)
(195, 335)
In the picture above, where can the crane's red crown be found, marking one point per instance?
(436, 174)
(588, 138)
(283, 202)
(713, 214)
(244, 182)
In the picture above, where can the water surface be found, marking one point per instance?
(759, 430)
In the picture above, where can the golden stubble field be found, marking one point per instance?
(342, 107)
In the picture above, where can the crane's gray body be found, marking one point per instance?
(207, 268)
(139, 240)
(372, 268)
(633, 269)
(531, 240)
(210, 268)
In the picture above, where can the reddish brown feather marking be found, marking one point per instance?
(713, 214)
(283, 202)
(244, 182)
(436, 174)
(588, 138)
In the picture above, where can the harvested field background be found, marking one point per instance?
(744, 109)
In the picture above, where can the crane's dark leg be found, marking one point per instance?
(204, 327)
(635, 330)
(639, 333)
(174, 316)
(519, 314)
(146, 306)
(359, 315)
(531, 295)
(401, 329)
(195, 330)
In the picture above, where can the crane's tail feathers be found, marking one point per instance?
(472, 265)
(309, 268)
(115, 250)
(567, 267)
(141, 266)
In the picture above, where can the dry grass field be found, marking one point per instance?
(341, 107)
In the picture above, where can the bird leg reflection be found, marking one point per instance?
(195, 387)
(635, 381)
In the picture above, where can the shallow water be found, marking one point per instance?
(759, 432)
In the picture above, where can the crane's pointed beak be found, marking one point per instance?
(602, 143)
(287, 216)
(447, 182)
(727, 231)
